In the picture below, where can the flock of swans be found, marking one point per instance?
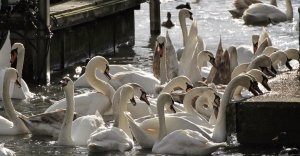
(194, 126)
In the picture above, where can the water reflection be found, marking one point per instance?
(213, 21)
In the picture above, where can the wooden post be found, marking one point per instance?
(154, 17)
(43, 65)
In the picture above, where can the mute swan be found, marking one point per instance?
(259, 76)
(280, 56)
(76, 132)
(269, 50)
(5, 151)
(17, 53)
(5, 63)
(168, 24)
(146, 131)
(180, 141)
(241, 6)
(161, 50)
(15, 126)
(139, 111)
(47, 124)
(292, 53)
(204, 107)
(262, 62)
(172, 65)
(88, 103)
(260, 13)
(138, 91)
(244, 52)
(120, 137)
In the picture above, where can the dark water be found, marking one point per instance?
(213, 21)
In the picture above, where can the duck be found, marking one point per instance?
(145, 132)
(241, 6)
(168, 24)
(119, 137)
(15, 125)
(184, 141)
(187, 5)
(283, 139)
(17, 55)
(76, 132)
(5, 151)
(262, 14)
(88, 103)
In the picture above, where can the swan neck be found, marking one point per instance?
(65, 135)
(98, 84)
(123, 123)
(188, 100)
(20, 62)
(183, 28)
(9, 108)
(289, 10)
(162, 122)
(219, 133)
(163, 74)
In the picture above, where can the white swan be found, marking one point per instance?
(141, 110)
(146, 131)
(88, 103)
(204, 107)
(260, 13)
(76, 132)
(17, 53)
(5, 62)
(241, 6)
(262, 62)
(269, 50)
(137, 91)
(280, 56)
(116, 138)
(5, 151)
(145, 79)
(15, 125)
(259, 76)
(180, 141)
(244, 52)
(182, 15)
(292, 53)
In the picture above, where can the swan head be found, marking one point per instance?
(260, 77)
(14, 76)
(188, 87)
(16, 49)
(160, 45)
(255, 39)
(66, 83)
(255, 84)
(186, 14)
(167, 99)
(139, 92)
(100, 63)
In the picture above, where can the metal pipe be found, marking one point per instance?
(154, 17)
(43, 68)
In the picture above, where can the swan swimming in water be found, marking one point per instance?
(261, 13)
(116, 138)
(180, 141)
(15, 125)
(76, 132)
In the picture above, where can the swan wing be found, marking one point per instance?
(186, 142)
(108, 139)
(83, 126)
(5, 123)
